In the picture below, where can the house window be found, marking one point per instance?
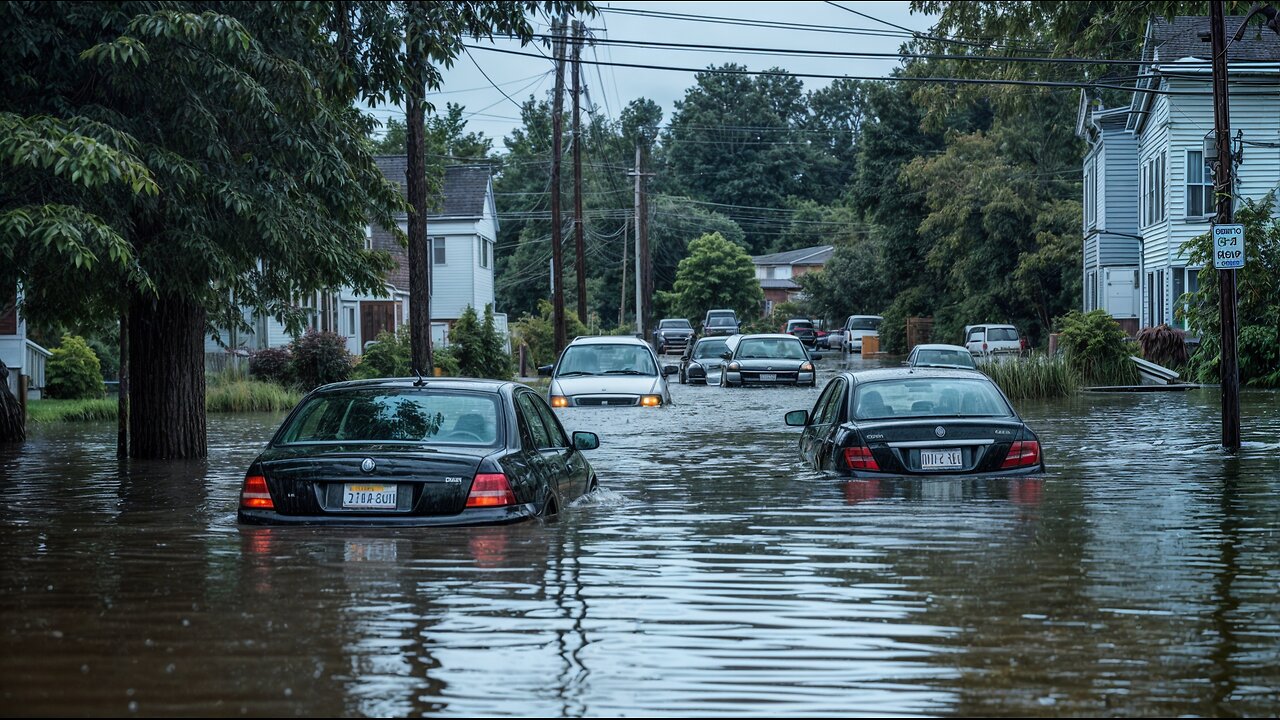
(1090, 197)
(1186, 281)
(437, 251)
(1199, 185)
(368, 237)
(483, 246)
(768, 272)
(1152, 191)
(1091, 291)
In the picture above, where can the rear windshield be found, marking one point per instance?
(766, 348)
(720, 320)
(925, 397)
(709, 349)
(395, 415)
(674, 324)
(955, 358)
(865, 323)
(999, 334)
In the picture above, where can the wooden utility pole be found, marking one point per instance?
(421, 359)
(1224, 191)
(122, 408)
(579, 249)
(646, 267)
(639, 279)
(557, 244)
(622, 301)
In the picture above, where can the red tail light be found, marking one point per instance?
(254, 494)
(490, 490)
(984, 347)
(1022, 453)
(860, 458)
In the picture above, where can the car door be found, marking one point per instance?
(812, 438)
(566, 466)
(534, 432)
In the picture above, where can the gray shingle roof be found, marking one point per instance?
(462, 193)
(1170, 40)
(817, 255)
(778, 284)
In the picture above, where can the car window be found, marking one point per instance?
(929, 397)
(827, 409)
(555, 433)
(864, 323)
(770, 348)
(395, 415)
(975, 335)
(533, 422)
(607, 359)
(709, 349)
(999, 334)
(956, 358)
(683, 324)
(720, 321)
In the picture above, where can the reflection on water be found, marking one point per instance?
(710, 575)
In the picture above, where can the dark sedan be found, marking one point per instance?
(702, 362)
(912, 422)
(769, 359)
(413, 453)
(672, 334)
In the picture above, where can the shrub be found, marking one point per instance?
(1095, 348)
(1163, 345)
(73, 373)
(250, 396)
(478, 347)
(537, 333)
(272, 365)
(320, 358)
(388, 357)
(1033, 378)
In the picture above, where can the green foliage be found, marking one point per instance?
(447, 362)
(538, 333)
(272, 365)
(716, 274)
(1258, 290)
(250, 396)
(73, 372)
(1096, 348)
(852, 283)
(478, 347)
(777, 319)
(320, 358)
(1163, 345)
(47, 411)
(389, 357)
(1036, 377)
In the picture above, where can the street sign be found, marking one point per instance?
(1228, 247)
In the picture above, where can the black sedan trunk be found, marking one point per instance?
(938, 446)
(398, 481)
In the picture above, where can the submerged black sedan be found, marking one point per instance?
(916, 421)
(766, 359)
(408, 452)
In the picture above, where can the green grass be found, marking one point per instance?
(1036, 377)
(249, 396)
(47, 411)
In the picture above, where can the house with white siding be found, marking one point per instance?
(1159, 161)
(21, 355)
(462, 231)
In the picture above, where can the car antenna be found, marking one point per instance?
(418, 373)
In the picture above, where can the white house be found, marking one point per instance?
(463, 231)
(20, 355)
(1164, 137)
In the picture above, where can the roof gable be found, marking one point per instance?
(463, 193)
(816, 255)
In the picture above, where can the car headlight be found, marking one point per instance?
(559, 401)
(650, 400)
(806, 367)
(734, 367)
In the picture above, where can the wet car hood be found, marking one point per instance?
(607, 385)
(770, 363)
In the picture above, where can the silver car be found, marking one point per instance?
(608, 371)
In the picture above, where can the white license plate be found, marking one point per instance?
(768, 377)
(369, 497)
(940, 459)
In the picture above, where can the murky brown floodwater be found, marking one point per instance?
(712, 576)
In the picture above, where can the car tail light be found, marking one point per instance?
(651, 400)
(1022, 453)
(490, 490)
(255, 495)
(860, 458)
(559, 401)
(984, 347)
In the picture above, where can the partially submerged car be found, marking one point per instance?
(913, 422)
(608, 370)
(993, 340)
(672, 334)
(702, 363)
(720, 322)
(767, 359)
(857, 327)
(415, 452)
(935, 355)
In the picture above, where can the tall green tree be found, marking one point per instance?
(716, 274)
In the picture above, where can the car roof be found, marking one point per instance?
(867, 316)
(608, 340)
(902, 373)
(938, 346)
(428, 383)
(712, 338)
(967, 328)
(682, 320)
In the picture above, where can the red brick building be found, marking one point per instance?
(777, 272)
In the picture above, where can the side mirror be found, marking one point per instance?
(545, 370)
(585, 440)
(726, 355)
(670, 369)
(797, 418)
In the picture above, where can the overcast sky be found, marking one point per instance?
(611, 88)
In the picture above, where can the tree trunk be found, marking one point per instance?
(166, 374)
(416, 190)
(12, 422)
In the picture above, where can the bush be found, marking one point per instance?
(250, 396)
(1095, 347)
(537, 333)
(73, 373)
(478, 347)
(1033, 378)
(272, 365)
(320, 358)
(1164, 345)
(389, 356)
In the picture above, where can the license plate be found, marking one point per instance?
(940, 459)
(369, 497)
(768, 377)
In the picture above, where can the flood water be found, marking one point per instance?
(712, 575)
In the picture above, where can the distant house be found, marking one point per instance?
(777, 272)
(21, 355)
(1147, 185)
(462, 231)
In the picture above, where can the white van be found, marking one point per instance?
(991, 340)
(857, 327)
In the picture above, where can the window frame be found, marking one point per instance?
(439, 251)
(1206, 186)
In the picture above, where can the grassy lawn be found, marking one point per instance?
(46, 411)
(222, 396)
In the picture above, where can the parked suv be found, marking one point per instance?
(802, 328)
(990, 340)
(672, 334)
(720, 322)
(857, 327)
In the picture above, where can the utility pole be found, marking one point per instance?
(646, 268)
(580, 253)
(1224, 191)
(622, 301)
(557, 244)
(643, 285)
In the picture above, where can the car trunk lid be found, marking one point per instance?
(940, 445)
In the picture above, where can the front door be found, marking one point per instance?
(376, 316)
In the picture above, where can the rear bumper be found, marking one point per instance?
(1015, 472)
(474, 516)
